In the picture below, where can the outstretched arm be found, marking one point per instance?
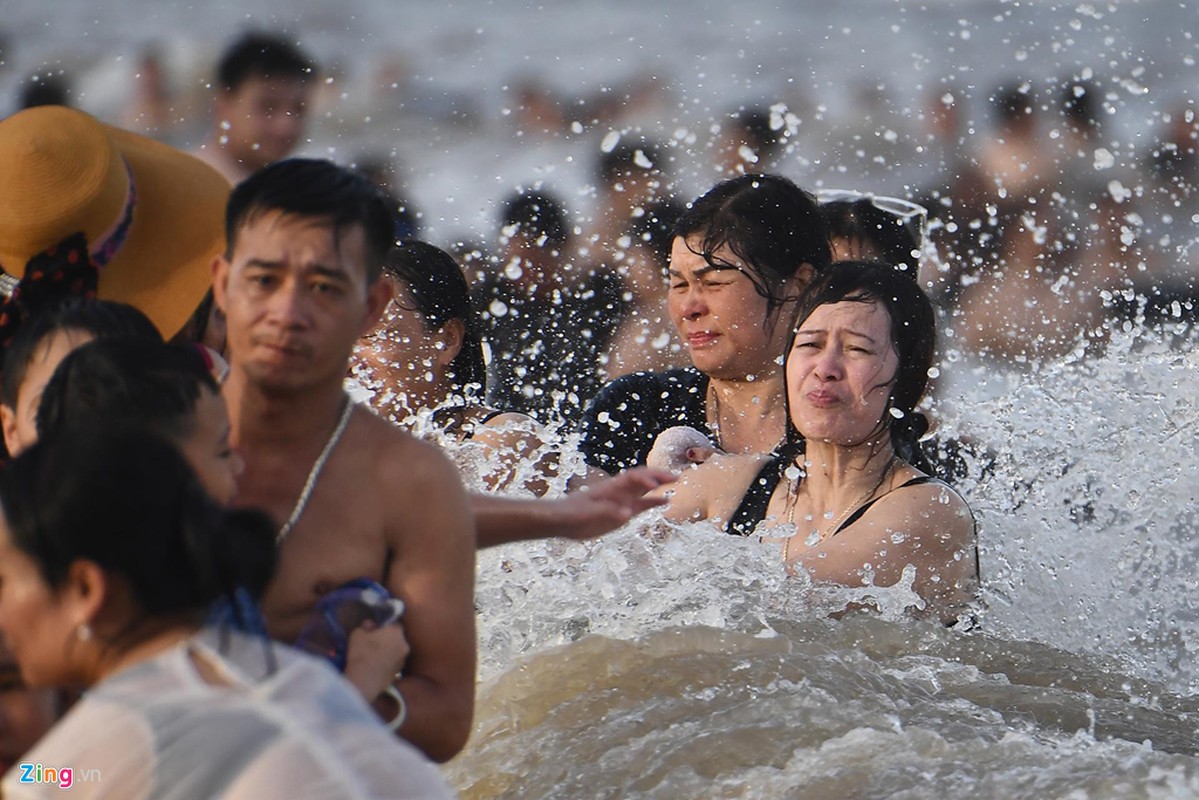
(601, 507)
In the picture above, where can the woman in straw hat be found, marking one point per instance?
(90, 210)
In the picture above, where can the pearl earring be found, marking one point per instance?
(84, 632)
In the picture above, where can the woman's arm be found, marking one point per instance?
(711, 490)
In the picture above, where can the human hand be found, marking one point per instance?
(374, 656)
(680, 447)
(608, 503)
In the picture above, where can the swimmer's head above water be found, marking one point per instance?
(767, 222)
(910, 330)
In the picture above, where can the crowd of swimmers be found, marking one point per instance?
(228, 568)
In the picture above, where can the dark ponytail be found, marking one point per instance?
(127, 500)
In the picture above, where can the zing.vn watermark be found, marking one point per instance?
(63, 777)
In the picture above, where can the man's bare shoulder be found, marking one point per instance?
(397, 457)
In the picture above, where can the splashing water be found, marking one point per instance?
(668, 661)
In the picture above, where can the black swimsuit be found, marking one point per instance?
(454, 420)
(752, 509)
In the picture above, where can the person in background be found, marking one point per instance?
(545, 318)
(423, 363)
(166, 388)
(40, 346)
(263, 84)
(628, 179)
(1167, 285)
(380, 170)
(112, 558)
(88, 210)
(645, 339)
(1040, 294)
(865, 227)
(747, 142)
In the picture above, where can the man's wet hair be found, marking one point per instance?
(321, 190)
(536, 216)
(768, 222)
(104, 320)
(136, 382)
(124, 498)
(440, 293)
(262, 55)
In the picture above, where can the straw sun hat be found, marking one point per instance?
(150, 217)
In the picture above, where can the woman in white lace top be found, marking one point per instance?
(111, 557)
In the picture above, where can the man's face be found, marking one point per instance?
(296, 299)
(263, 119)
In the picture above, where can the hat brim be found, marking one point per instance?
(164, 267)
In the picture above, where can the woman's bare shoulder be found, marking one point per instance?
(927, 505)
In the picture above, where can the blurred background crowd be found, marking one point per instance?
(1061, 198)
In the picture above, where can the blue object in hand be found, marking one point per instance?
(338, 613)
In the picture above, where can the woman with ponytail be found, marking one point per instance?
(849, 493)
(112, 559)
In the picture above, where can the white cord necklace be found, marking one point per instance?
(315, 473)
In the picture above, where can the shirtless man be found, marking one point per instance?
(298, 286)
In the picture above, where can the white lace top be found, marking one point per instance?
(161, 729)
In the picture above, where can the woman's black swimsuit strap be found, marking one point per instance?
(923, 479)
(481, 421)
(752, 509)
(454, 419)
(857, 515)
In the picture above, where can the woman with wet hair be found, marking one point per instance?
(740, 257)
(424, 365)
(849, 495)
(112, 557)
